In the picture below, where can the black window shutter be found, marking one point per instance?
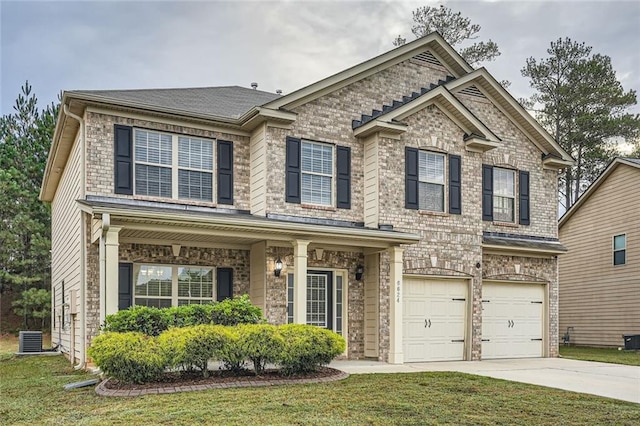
(487, 192)
(125, 285)
(344, 177)
(411, 178)
(225, 172)
(455, 184)
(224, 284)
(292, 184)
(524, 198)
(123, 164)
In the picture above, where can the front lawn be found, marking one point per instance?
(610, 355)
(32, 393)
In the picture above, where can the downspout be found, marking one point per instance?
(83, 241)
(106, 224)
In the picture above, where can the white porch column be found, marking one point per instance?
(111, 270)
(395, 305)
(300, 281)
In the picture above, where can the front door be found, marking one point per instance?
(320, 299)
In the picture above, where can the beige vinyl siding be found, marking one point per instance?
(371, 311)
(258, 151)
(257, 274)
(371, 192)
(599, 300)
(66, 233)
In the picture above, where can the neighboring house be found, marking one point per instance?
(600, 276)
(410, 198)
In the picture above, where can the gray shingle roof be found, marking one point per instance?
(225, 101)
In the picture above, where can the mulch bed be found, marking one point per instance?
(223, 379)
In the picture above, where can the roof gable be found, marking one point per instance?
(428, 48)
(617, 162)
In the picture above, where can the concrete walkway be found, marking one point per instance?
(596, 378)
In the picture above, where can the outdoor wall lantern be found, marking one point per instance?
(278, 268)
(359, 272)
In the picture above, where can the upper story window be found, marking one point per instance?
(158, 174)
(428, 179)
(504, 195)
(431, 181)
(165, 165)
(500, 190)
(620, 249)
(317, 173)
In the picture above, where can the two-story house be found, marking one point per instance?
(407, 203)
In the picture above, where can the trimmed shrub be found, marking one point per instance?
(306, 348)
(153, 321)
(261, 343)
(129, 357)
(238, 310)
(173, 343)
(193, 347)
(141, 319)
(231, 353)
(184, 316)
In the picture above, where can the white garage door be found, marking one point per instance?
(512, 320)
(434, 318)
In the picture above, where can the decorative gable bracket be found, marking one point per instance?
(475, 143)
(553, 162)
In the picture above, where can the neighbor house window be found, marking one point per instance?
(503, 195)
(317, 173)
(164, 286)
(159, 174)
(431, 181)
(620, 249)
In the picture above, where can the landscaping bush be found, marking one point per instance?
(153, 321)
(231, 353)
(140, 319)
(193, 347)
(261, 343)
(238, 310)
(129, 357)
(306, 348)
(184, 316)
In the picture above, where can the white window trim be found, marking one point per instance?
(614, 250)
(513, 197)
(443, 183)
(175, 167)
(174, 282)
(330, 176)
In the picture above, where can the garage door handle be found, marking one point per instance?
(536, 340)
(486, 340)
(457, 341)
(458, 300)
(427, 323)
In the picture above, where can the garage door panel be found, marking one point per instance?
(434, 323)
(512, 320)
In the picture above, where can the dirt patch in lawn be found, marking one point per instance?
(186, 381)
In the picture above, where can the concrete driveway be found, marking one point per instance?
(596, 378)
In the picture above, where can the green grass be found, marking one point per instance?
(610, 355)
(8, 345)
(31, 393)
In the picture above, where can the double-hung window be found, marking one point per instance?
(431, 183)
(172, 166)
(316, 173)
(153, 157)
(165, 286)
(620, 249)
(503, 195)
(195, 169)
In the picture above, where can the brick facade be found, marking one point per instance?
(450, 245)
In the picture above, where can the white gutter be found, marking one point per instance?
(83, 241)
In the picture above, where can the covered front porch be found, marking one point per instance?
(335, 274)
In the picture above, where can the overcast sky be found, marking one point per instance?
(63, 45)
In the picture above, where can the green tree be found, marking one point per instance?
(34, 305)
(25, 224)
(455, 29)
(581, 103)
